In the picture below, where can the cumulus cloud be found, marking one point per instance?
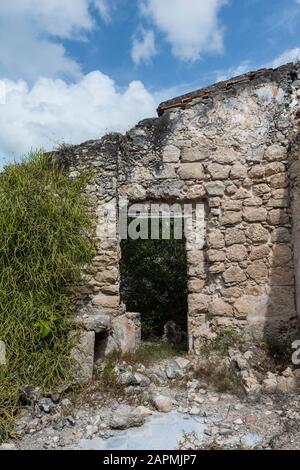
(143, 46)
(52, 111)
(191, 27)
(30, 31)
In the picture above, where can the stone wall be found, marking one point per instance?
(233, 148)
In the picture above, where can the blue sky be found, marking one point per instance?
(74, 70)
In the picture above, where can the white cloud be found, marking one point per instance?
(143, 46)
(104, 9)
(191, 27)
(30, 31)
(52, 111)
(291, 55)
(241, 69)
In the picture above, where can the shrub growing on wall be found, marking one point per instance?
(44, 244)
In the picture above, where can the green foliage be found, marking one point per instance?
(154, 282)
(226, 338)
(44, 244)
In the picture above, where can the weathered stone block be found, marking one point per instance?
(281, 255)
(171, 154)
(278, 217)
(274, 168)
(215, 188)
(83, 356)
(215, 240)
(279, 181)
(198, 303)
(257, 271)
(257, 233)
(234, 236)
(237, 253)
(259, 252)
(234, 275)
(229, 205)
(220, 308)
(215, 256)
(255, 214)
(257, 172)
(231, 218)
(276, 152)
(218, 172)
(191, 155)
(106, 301)
(238, 171)
(261, 189)
(191, 171)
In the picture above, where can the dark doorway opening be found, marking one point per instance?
(154, 283)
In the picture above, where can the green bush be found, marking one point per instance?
(44, 244)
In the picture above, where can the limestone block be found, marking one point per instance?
(215, 256)
(257, 233)
(220, 308)
(238, 171)
(198, 303)
(279, 181)
(237, 253)
(195, 286)
(191, 155)
(83, 356)
(215, 188)
(229, 205)
(95, 320)
(282, 193)
(234, 236)
(191, 171)
(106, 301)
(276, 152)
(108, 275)
(281, 235)
(218, 172)
(278, 217)
(261, 189)
(281, 255)
(254, 201)
(257, 172)
(171, 154)
(231, 292)
(255, 214)
(126, 333)
(257, 271)
(217, 268)
(215, 240)
(259, 252)
(231, 218)
(274, 168)
(234, 275)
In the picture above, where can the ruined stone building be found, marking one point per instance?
(234, 148)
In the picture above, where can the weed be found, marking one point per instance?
(226, 338)
(44, 244)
